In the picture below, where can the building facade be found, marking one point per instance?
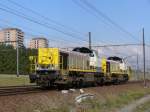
(39, 42)
(10, 36)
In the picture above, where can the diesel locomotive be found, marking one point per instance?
(81, 66)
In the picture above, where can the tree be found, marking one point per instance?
(8, 59)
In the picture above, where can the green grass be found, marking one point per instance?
(113, 101)
(13, 80)
(123, 98)
(109, 102)
(143, 108)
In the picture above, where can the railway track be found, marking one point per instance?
(139, 82)
(14, 90)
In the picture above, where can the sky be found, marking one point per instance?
(78, 19)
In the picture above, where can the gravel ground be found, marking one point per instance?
(46, 100)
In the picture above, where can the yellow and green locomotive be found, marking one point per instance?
(54, 66)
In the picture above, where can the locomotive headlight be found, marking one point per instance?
(52, 66)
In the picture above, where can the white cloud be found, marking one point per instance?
(127, 51)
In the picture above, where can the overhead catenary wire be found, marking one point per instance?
(47, 18)
(98, 17)
(108, 18)
(89, 11)
(121, 53)
(19, 14)
(116, 45)
(111, 21)
(104, 16)
(44, 17)
(39, 33)
(114, 51)
(58, 42)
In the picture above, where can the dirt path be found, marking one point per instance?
(133, 105)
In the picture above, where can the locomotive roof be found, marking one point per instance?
(72, 52)
(82, 50)
(115, 58)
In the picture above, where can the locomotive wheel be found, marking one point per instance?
(101, 82)
(59, 87)
(115, 81)
(77, 84)
(81, 83)
(62, 86)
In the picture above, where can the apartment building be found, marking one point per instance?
(38, 42)
(10, 36)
